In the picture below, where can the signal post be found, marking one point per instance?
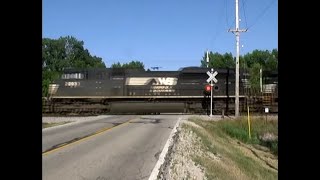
(212, 77)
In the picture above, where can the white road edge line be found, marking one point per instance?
(155, 171)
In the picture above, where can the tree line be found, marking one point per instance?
(69, 52)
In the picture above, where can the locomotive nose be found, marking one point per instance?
(53, 88)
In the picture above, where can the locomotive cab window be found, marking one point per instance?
(72, 76)
(116, 78)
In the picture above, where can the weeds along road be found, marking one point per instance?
(114, 147)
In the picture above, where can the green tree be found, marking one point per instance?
(130, 65)
(254, 79)
(272, 61)
(67, 52)
(116, 65)
(268, 60)
(217, 60)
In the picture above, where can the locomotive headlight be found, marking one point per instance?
(53, 88)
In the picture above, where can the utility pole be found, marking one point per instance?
(207, 59)
(237, 33)
(211, 89)
(260, 80)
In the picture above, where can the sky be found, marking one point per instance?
(169, 34)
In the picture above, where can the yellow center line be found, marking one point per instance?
(94, 134)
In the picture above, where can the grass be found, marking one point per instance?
(239, 129)
(46, 125)
(236, 162)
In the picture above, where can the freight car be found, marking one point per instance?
(112, 90)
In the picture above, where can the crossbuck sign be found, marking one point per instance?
(212, 76)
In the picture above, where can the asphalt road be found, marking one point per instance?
(126, 151)
(59, 136)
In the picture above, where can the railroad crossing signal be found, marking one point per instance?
(207, 88)
(212, 76)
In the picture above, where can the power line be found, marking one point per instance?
(213, 38)
(261, 14)
(228, 26)
(227, 14)
(244, 12)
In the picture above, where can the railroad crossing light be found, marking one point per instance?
(207, 89)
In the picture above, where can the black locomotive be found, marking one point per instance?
(129, 90)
